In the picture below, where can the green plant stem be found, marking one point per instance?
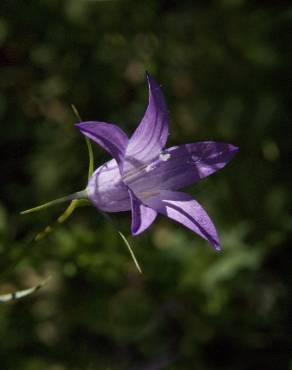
(78, 195)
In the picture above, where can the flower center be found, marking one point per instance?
(143, 169)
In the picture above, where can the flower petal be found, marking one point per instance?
(151, 134)
(142, 215)
(107, 135)
(187, 211)
(106, 190)
(180, 166)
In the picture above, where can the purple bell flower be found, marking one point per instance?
(144, 177)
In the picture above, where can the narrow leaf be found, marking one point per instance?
(88, 143)
(91, 158)
(21, 293)
(63, 217)
(75, 111)
(130, 250)
(124, 239)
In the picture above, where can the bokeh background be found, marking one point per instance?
(225, 69)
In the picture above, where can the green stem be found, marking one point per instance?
(78, 195)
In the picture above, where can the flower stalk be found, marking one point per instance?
(78, 195)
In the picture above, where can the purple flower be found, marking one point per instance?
(144, 177)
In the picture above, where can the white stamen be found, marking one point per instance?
(150, 167)
(164, 156)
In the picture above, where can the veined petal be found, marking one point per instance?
(180, 166)
(142, 215)
(187, 211)
(106, 190)
(108, 136)
(151, 134)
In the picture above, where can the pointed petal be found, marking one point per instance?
(180, 166)
(151, 134)
(142, 215)
(107, 135)
(187, 211)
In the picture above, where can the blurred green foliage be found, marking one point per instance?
(225, 67)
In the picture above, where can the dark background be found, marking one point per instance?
(225, 68)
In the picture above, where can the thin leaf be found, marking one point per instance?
(124, 239)
(88, 143)
(21, 293)
(75, 111)
(91, 158)
(75, 202)
(130, 251)
(63, 217)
